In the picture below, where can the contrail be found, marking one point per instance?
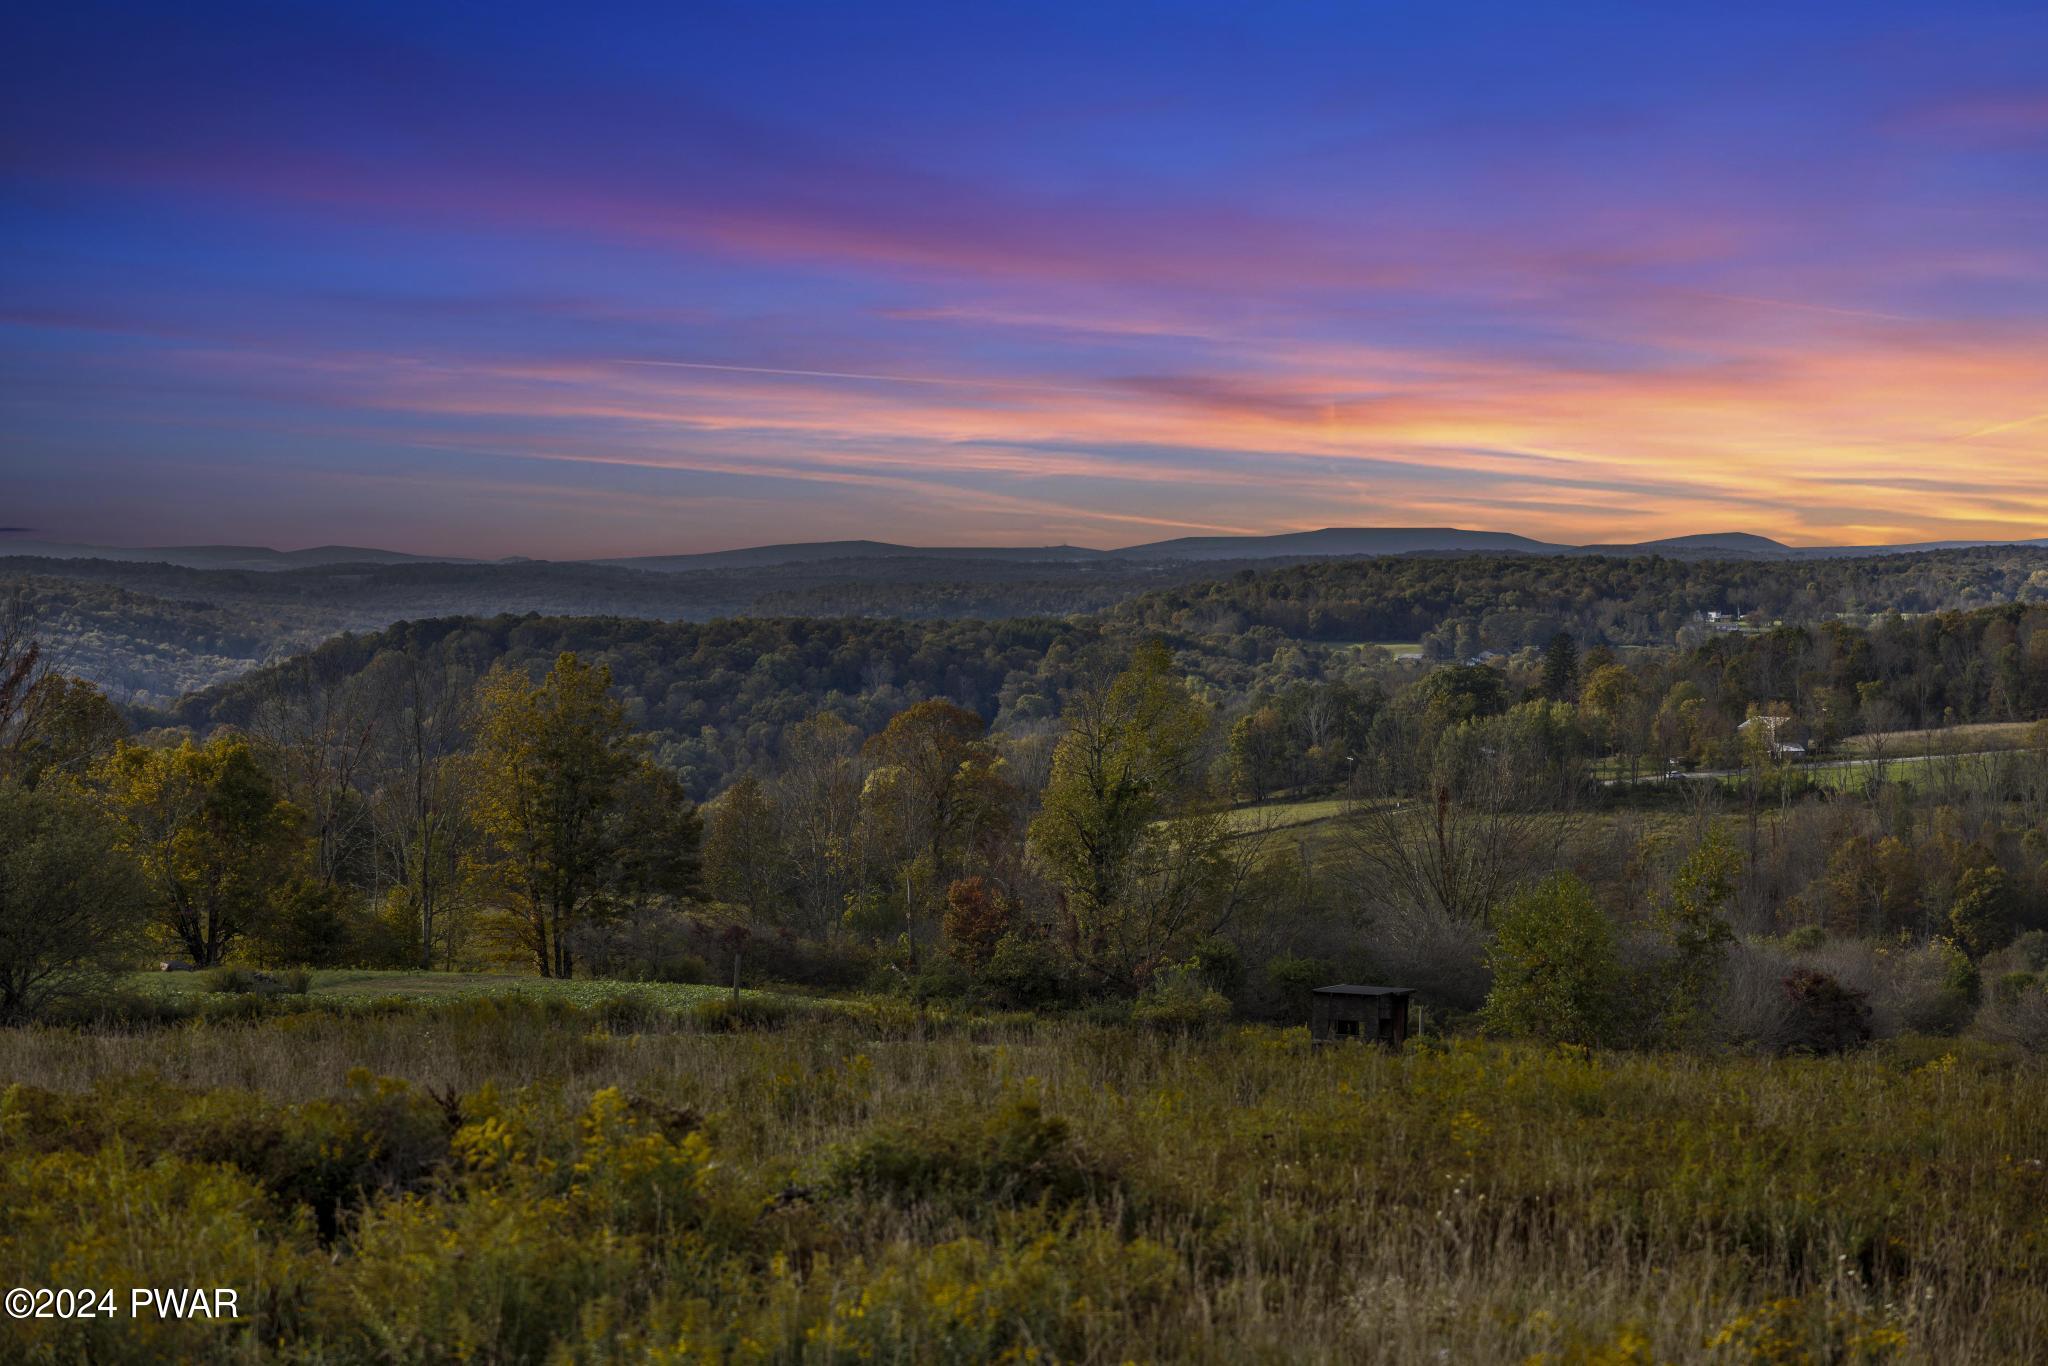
(858, 375)
(2006, 426)
(1807, 308)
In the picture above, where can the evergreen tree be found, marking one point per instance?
(1561, 668)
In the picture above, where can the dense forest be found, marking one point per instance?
(717, 698)
(149, 633)
(1459, 606)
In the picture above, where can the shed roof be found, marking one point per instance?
(1348, 989)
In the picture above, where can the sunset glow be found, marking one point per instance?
(679, 278)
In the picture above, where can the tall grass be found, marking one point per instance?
(527, 1181)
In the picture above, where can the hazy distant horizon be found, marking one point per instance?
(18, 536)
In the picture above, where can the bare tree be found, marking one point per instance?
(24, 666)
(1449, 841)
(320, 734)
(417, 808)
(818, 794)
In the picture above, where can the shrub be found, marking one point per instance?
(1016, 1155)
(977, 917)
(2017, 1013)
(1980, 916)
(1826, 1016)
(236, 981)
(1025, 972)
(1181, 1002)
(1752, 1008)
(2012, 986)
(1804, 939)
(724, 1014)
(2031, 950)
(1556, 972)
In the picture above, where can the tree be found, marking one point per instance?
(1138, 868)
(1980, 915)
(70, 899)
(1872, 885)
(1556, 972)
(818, 808)
(547, 774)
(214, 840)
(1493, 808)
(68, 728)
(1561, 668)
(1693, 919)
(23, 669)
(1258, 751)
(977, 918)
(744, 861)
(656, 839)
(418, 809)
(932, 786)
(321, 733)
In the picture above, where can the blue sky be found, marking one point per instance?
(610, 280)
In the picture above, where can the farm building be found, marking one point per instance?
(1367, 1014)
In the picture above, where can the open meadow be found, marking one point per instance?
(512, 1177)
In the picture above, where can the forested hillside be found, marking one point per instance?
(1463, 605)
(150, 632)
(716, 697)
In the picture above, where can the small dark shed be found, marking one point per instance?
(1366, 1014)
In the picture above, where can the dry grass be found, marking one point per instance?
(1255, 1199)
(1947, 740)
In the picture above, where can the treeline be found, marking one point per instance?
(149, 633)
(1461, 606)
(717, 698)
(1036, 814)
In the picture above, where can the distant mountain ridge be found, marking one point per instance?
(1328, 542)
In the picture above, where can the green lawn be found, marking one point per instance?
(363, 985)
(1286, 815)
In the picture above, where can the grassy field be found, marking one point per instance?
(355, 986)
(508, 1179)
(1951, 740)
(1399, 649)
(1287, 815)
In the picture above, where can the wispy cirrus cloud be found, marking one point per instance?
(1403, 272)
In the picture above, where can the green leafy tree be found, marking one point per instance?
(70, 898)
(656, 838)
(1116, 830)
(1694, 921)
(70, 728)
(550, 768)
(745, 864)
(1980, 916)
(933, 788)
(1556, 971)
(1258, 752)
(214, 841)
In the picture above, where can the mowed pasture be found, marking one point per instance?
(1991, 735)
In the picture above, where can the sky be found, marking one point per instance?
(589, 280)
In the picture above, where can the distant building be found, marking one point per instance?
(1769, 725)
(1361, 1014)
